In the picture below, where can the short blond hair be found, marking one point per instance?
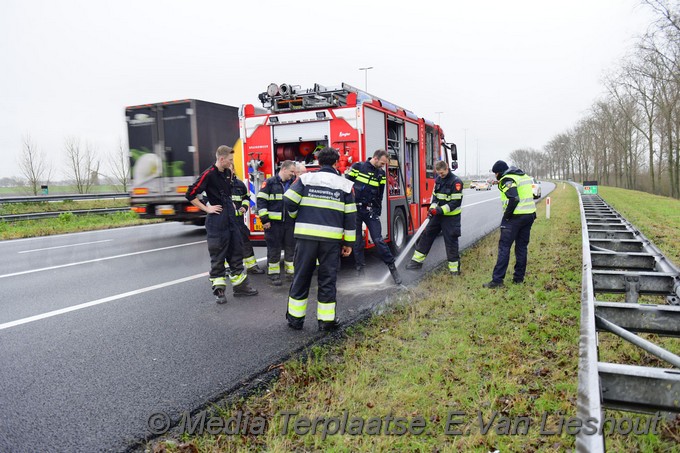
(224, 151)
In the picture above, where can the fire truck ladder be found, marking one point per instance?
(619, 259)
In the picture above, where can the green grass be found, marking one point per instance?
(447, 345)
(68, 223)
(657, 217)
(56, 190)
(55, 206)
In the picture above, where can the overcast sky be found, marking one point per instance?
(511, 73)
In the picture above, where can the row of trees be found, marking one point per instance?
(631, 137)
(81, 165)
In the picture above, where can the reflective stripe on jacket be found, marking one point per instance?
(369, 184)
(322, 204)
(526, 194)
(448, 194)
(270, 200)
(240, 195)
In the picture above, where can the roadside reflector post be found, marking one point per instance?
(547, 207)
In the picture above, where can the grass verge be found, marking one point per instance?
(68, 223)
(445, 345)
(57, 206)
(657, 217)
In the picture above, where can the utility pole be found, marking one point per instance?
(465, 150)
(366, 77)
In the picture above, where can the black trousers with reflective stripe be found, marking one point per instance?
(280, 236)
(224, 243)
(245, 237)
(449, 226)
(306, 253)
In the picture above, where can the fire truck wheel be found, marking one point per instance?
(399, 231)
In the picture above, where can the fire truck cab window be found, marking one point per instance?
(431, 152)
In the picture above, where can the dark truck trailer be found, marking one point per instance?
(171, 143)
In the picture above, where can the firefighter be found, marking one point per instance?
(369, 187)
(444, 214)
(519, 213)
(322, 204)
(223, 232)
(300, 169)
(241, 198)
(278, 225)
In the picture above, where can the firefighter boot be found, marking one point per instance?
(413, 265)
(244, 289)
(395, 274)
(293, 322)
(275, 280)
(220, 298)
(328, 326)
(255, 270)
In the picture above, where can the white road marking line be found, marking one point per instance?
(479, 202)
(104, 300)
(52, 236)
(14, 274)
(64, 246)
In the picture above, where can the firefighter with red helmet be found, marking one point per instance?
(277, 223)
(322, 204)
(223, 234)
(444, 214)
(369, 188)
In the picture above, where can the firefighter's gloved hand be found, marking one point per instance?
(435, 211)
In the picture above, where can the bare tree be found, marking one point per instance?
(119, 163)
(83, 165)
(33, 165)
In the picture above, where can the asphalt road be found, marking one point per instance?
(100, 330)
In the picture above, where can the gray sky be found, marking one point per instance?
(513, 73)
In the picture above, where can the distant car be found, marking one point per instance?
(536, 188)
(482, 184)
(473, 184)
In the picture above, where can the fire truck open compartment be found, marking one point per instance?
(297, 122)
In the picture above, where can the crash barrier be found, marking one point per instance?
(619, 260)
(63, 197)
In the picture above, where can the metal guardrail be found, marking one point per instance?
(618, 259)
(63, 197)
(45, 215)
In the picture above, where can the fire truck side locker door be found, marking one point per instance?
(301, 132)
(375, 137)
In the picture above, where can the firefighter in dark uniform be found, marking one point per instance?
(519, 213)
(278, 225)
(444, 214)
(240, 195)
(323, 205)
(223, 232)
(369, 187)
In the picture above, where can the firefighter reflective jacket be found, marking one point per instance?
(448, 194)
(369, 184)
(270, 205)
(240, 195)
(518, 180)
(322, 204)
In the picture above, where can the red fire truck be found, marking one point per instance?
(298, 121)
